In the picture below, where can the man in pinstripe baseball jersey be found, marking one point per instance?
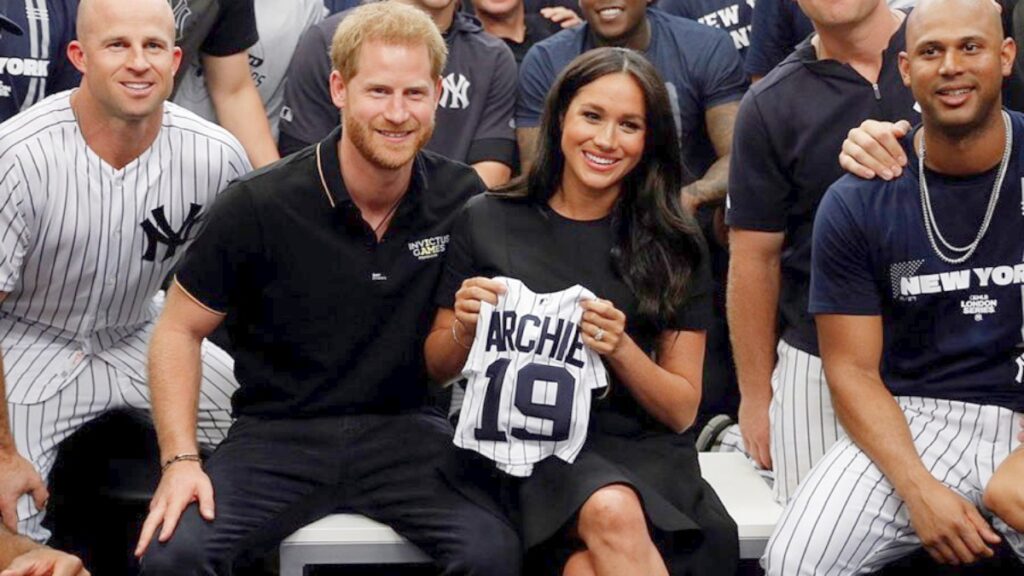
(917, 287)
(100, 191)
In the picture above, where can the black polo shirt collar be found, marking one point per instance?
(329, 168)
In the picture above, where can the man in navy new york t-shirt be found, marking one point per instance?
(917, 287)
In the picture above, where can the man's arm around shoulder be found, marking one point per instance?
(174, 379)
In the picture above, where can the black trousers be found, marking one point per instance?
(271, 477)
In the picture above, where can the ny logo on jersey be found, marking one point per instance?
(454, 92)
(159, 231)
(1020, 369)
(181, 14)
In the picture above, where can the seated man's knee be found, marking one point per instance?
(614, 517)
(787, 555)
(183, 555)
(485, 545)
(1004, 494)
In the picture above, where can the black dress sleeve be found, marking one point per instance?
(695, 313)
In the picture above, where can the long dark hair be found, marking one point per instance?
(657, 243)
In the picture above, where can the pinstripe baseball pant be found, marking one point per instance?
(846, 517)
(803, 422)
(112, 378)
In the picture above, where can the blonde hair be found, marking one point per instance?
(389, 22)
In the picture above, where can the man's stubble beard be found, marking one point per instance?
(362, 139)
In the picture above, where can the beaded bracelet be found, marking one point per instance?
(180, 458)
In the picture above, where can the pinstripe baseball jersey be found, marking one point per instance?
(529, 378)
(84, 247)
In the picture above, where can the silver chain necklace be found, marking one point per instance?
(931, 227)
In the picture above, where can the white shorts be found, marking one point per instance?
(113, 378)
(847, 518)
(803, 423)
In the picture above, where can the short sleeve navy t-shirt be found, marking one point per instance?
(733, 16)
(951, 331)
(699, 64)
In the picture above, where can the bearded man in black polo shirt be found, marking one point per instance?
(322, 268)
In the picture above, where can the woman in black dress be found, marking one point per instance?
(600, 208)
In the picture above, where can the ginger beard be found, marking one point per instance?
(373, 143)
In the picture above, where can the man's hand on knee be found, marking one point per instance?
(17, 477)
(950, 528)
(181, 484)
(45, 562)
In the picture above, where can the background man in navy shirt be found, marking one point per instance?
(733, 16)
(917, 290)
(517, 28)
(474, 118)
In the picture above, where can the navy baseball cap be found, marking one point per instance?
(6, 24)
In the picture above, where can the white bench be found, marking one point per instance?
(354, 539)
(746, 497)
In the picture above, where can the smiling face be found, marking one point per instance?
(127, 57)
(388, 105)
(615, 22)
(955, 62)
(603, 135)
